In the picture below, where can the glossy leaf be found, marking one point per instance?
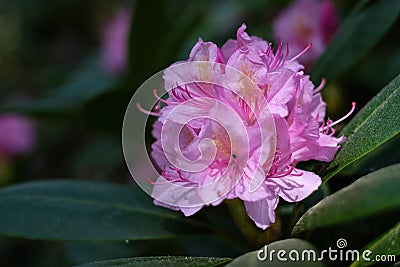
(82, 252)
(297, 258)
(365, 26)
(374, 193)
(161, 261)
(387, 244)
(376, 123)
(78, 211)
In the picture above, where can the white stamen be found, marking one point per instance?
(353, 106)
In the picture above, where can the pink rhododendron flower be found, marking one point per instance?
(16, 135)
(304, 22)
(218, 142)
(114, 50)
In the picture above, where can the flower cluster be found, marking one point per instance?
(215, 143)
(114, 50)
(16, 135)
(304, 22)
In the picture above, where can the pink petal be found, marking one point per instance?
(318, 107)
(204, 51)
(248, 190)
(262, 211)
(242, 37)
(229, 48)
(259, 43)
(177, 196)
(295, 187)
(323, 148)
(186, 211)
(282, 87)
(328, 146)
(283, 139)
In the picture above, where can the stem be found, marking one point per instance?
(254, 235)
(221, 232)
(294, 216)
(228, 236)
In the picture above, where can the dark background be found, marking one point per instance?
(50, 71)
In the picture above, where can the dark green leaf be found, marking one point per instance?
(78, 211)
(161, 261)
(385, 155)
(87, 82)
(376, 123)
(98, 158)
(374, 193)
(356, 36)
(387, 244)
(287, 245)
(82, 252)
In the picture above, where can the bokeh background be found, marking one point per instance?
(71, 67)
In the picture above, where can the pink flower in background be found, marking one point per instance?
(304, 22)
(16, 135)
(237, 121)
(114, 50)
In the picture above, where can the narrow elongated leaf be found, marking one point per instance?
(369, 195)
(376, 123)
(387, 244)
(356, 36)
(296, 252)
(83, 252)
(78, 211)
(161, 261)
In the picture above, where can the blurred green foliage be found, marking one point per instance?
(50, 70)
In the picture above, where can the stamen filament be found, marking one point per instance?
(320, 86)
(150, 113)
(159, 98)
(353, 107)
(301, 53)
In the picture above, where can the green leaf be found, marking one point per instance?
(376, 123)
(374, 193)
(387, 244)
(87, 211)
(86, 83)
(82, 252)
(99, 157)
(161, 261)
(287, 245)
(356, 36)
